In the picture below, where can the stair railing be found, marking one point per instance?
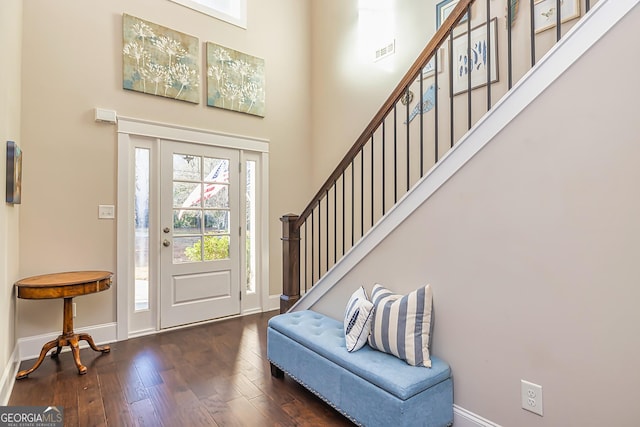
(395, 150)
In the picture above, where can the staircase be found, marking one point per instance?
(437, 112)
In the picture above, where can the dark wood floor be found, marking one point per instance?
(207, 375)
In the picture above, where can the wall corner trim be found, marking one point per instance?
(8, 378)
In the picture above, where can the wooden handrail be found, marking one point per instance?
(380, 173)
(427, 53)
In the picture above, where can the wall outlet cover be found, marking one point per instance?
(531, 395)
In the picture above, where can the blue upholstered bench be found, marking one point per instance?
(369, 387)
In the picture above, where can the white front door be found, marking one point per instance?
(199, 233)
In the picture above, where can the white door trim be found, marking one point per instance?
(185, 134)
(124, 273)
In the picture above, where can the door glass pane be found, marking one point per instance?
(216, 222)
(187, 249)
(199, 183)
(141, 202)
(187, 221)
(186, 167)
(186, 194)
(251, 225)
(216, 170)
(216, 196)
(216, 247)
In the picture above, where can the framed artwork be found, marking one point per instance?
(14, 173)
(482, 53)
(545, 14)
(514, 5)
(444, 9)
(160, 61)
(428, 102)
(235, 80)
(430, 68)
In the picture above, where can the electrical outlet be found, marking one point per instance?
(531, 397)
(74, 309)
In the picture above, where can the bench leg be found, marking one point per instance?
(276, 372)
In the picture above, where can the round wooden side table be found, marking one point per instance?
(64, 285)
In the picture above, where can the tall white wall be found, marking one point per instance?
(10, 105)
(72, 63)
(348, 87)
(532, 250)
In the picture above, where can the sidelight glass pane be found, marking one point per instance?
(186, 167)
(250, 226)
(141, 240)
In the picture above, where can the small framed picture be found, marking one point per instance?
(545, 13)
(14, 173)
(480, 59)
(430, 68)
(444, 9)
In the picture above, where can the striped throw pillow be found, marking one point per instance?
(357, 320)
(401, 324)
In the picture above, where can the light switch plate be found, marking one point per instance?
(106, 212)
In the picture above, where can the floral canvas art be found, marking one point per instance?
(235, 80)
(160, 61)
(14, 173)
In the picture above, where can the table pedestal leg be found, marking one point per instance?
(73, 343)
(89, 339)
(69, 338)
(48, 346)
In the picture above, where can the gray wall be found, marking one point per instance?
(532, 250)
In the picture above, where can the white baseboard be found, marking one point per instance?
(464, 418)
(9, 377)
(30, 347)
(274, 303)
(251, 311)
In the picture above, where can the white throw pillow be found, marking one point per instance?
(357, 320)
(401, 324)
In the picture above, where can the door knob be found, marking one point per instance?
(166, 229)
(166, 243)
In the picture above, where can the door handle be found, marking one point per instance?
(166, 243)
(166, 229)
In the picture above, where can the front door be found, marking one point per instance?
(199, 236)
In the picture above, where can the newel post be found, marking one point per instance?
(290, 262)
